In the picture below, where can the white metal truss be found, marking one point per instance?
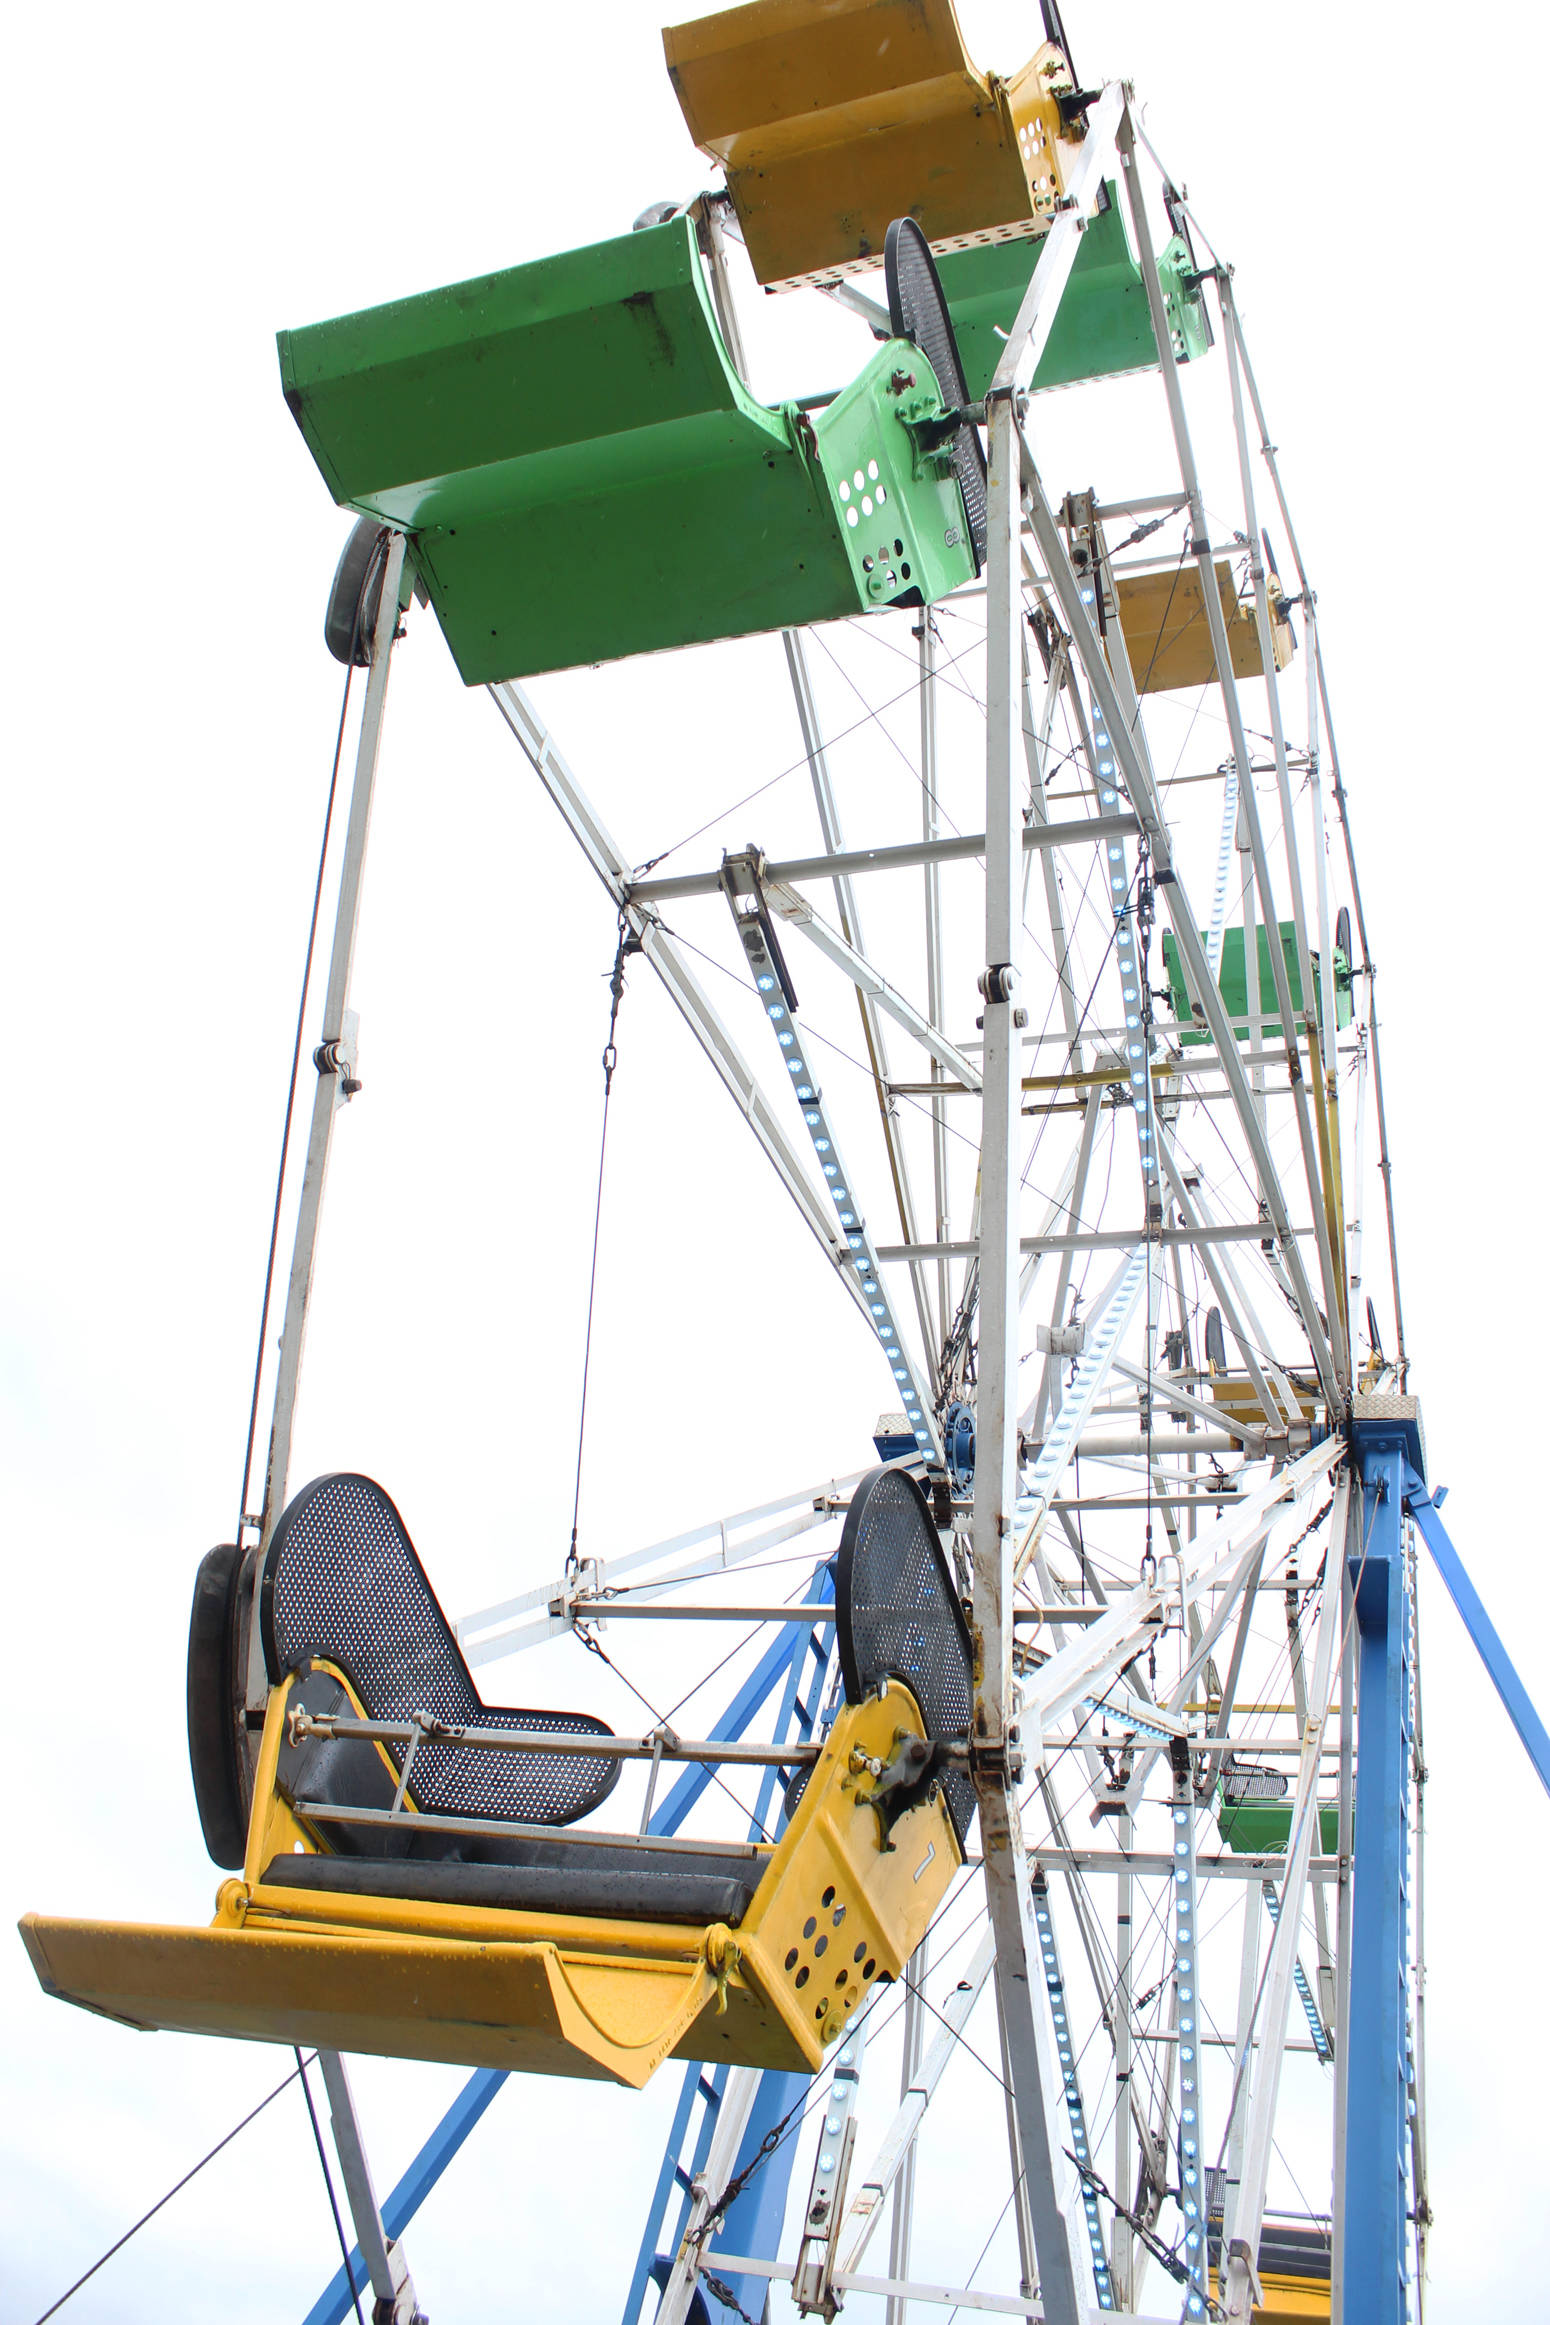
(1059, 1427)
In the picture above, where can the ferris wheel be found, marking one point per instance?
(1057, 1784)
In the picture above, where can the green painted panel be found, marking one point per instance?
(1262, 1828)
(1234, 983)
(584, 476)
(1103, 326)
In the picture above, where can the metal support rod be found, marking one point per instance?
(867, 1000)
(873, 988)
(847, 863)
(1195, 1234)
(1326, 1958)
(866, 2207)
(1124, 2062)
(1053, 2200)
(1373, 2196)
(930, 830)
(1242, 2226)
(1035, 743)
(1130, 767)
(667, 959)
(1027, 2254)
(335, 1053)
(660, 1744)
(1217, 624)
(390, 2281)
(1422, 1506)
(1048, 1398)
(1343, 1906)
(737, 2100)
(904, 2186)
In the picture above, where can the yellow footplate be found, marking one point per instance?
(527, 2007)
(842, 1902)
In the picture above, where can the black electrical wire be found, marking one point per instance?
(177, 2185)
(367, 577)
(904, 694)
(333, 2201)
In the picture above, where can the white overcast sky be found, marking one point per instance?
(182, 181)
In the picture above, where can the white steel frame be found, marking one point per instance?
(1251, 1480)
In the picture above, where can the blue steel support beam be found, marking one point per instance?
(1515, 1697)
(413, 2188)
(759, 2213)
(1374, 2200)
(755, 2219)
(334, 2304)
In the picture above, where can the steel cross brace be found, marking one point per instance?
(1372, 2222)
(1186, 1968)
(1136, 778)
(1423, 1507)
(1077, 2113)
(785, 1654)
(754, 2219)
(777, 997)
(1054, 2199)
(667, 959)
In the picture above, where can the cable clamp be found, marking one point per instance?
(341, 1057)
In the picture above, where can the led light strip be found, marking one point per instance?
(1310, 2008)
(1191, 2202)
(1130, 970)
(1091, 1373)
(1224, 855)
(917, 1403)
(839, 2110)
(1102, 2279)
(1127, 1718)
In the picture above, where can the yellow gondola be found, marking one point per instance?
(834, 117)
(410, 1884)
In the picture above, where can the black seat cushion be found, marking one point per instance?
(548, 1877)
(899, 1616)
(342, 1581)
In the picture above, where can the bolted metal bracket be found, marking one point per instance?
(342, 1057)
(812, 2284)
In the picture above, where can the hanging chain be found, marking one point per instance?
(628, 943)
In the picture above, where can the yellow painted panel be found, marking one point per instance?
(841, 1905)
(1233, 1393)
(1168, 634)
(1288, 2300)
(834, 117)
(527, 2007)
(837, 1899)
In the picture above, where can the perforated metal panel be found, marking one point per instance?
(1241, 1783)
(918, 312)
(899, 1616)
(343, 1581)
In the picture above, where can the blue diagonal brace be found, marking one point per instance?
(413, 2188)
(1504, 1678)
(333, 2305)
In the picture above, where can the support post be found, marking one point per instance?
(391, 2284)
(904, 2185)
(1373, 2197)
(335, 1055)
(1053, 2202)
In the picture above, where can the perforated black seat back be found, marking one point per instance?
(343, 1581)
(918, 311)
(899, 1615)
